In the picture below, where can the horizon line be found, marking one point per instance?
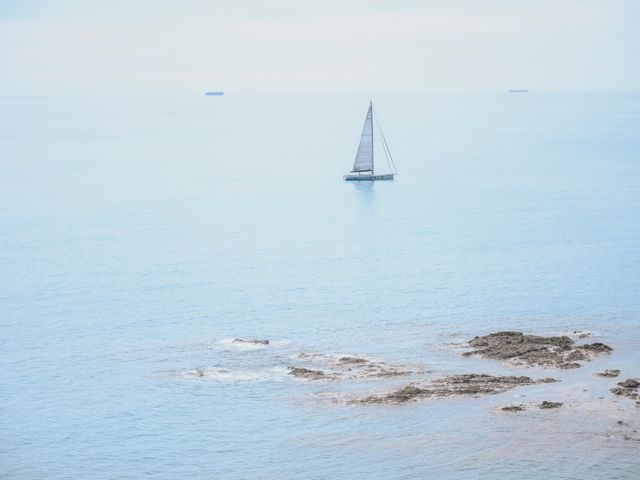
(298, 92)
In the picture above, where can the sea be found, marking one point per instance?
(141, 235)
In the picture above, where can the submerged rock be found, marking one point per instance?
(626, 431)
(306, 373)
(529, 350)
(609, 373)
(546, 404)
(455, 385)
(255, 342)
(581, 333)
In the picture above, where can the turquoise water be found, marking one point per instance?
(140, 234)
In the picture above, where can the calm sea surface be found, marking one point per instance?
(139, 235)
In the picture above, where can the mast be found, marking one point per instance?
(372, 142)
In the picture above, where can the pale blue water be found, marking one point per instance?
(139, 234)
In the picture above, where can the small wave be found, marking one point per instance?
(456, 345)
(333, 359)
(345, 366)
(308, 356)
(580, 334)
(319, 358)
(237, 344)
(280, 343)
(226, 375)
(233, 344)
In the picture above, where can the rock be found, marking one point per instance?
(577, 355)
(405, 394)
(256, 342)
(454, 385)
(630, 383)
(567, 366)
(548, 380)
(628, 388)
(547, 404)
(596, 347)
(352, 360)
(513, 408)
(609, 373)
(306, 373)
(620, 391)
(532, 350)
(475, 384)
(387, 372)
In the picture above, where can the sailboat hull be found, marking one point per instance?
(368, 178)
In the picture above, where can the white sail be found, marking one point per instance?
(364, 157)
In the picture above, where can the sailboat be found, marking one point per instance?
(363, 167)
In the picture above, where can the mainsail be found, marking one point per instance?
(364, 157)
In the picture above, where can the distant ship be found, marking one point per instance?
(518, 90)
(363, 165)
(214, 93)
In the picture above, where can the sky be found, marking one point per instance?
(62, 47)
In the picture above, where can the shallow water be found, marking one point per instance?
(140, 235)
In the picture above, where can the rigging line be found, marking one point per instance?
(386, 148)
(387, 152)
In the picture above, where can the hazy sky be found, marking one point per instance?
(136, 46)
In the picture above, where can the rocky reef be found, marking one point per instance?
(512, 347)
(471, 385)
(519, 349)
